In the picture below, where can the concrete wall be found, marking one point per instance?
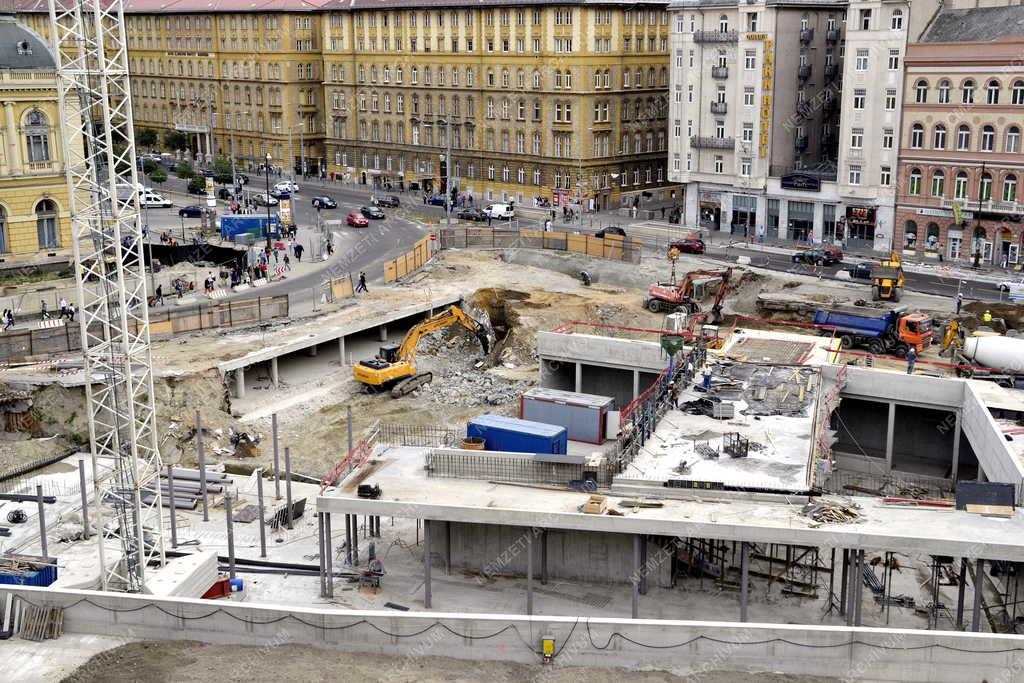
(608, 382)
(994, 456)
(860, 426)
(627, 354)
(579, 556)
(685, 647)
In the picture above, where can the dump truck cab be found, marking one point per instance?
(915, 329)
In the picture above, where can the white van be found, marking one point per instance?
(153, 200)
(500, 211)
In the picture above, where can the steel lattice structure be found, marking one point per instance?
(89, 40)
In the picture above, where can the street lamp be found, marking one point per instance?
(267, 176)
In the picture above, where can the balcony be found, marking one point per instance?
(804, 109)
(800, 143)
(832, 36)
(804, 72)
(702, 142)
(807, 35)
(719, 73)
(831, 70)
(716, 36)
(987, 206)
(719, 108)
(831, 106)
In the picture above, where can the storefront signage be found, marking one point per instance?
(860, 215)
(801, 182)
(757, 36)
(941, 213)
(767, 78)
(710, 199)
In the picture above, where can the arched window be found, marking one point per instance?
(938, 183)
(914, 184)
(4, 248)
(944, 91)
(939, 139)
(650, 78)
(46, 224)
(960, 186)
(504, 78)
(520, 79)
(932, 234)
(921, 90)
(1010, 188)
(917, 136)
(536, 79)
(1018, 92)
(910, 233)
(988, 139)
(37, 137)
(963, 137)
(1013, 139)
(992, 92)
(558, 79)
(723, 23)
(967, 92)
(897, 20)
(985, 193)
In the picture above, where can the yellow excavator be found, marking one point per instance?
(392, 368)
(887, 279)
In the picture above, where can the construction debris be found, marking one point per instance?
(830, 512)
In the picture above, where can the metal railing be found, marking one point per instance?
(719, 72)
(719, 108)
(716, 36)
(393, 434)
(807, 35)
(707, 142)
(804, 72)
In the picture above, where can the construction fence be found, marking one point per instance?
(57, 336)
(337, 288)
(612, 247)
(409, 261)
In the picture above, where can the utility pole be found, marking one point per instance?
(448, 170)
(266, 173)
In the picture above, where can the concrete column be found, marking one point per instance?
(859, 578)
(844, 582)
(643, 565)
(42, 520)
(979, 582)
(529, 570)
(744, 579)
(890, 433)
(273, 371)
(230, 517)
(382, 333)
(329, 554)
(819, 221)
(961, 590)
(348, 539)
(262, 516)
(579, 377)
(85, 499)
(311, 351)
(174, 513)
(240, 383)
(13, 157)
(323, 554)
(288, 485)
(426, 564)
(954, 470)
(636, 574)
(277, 458)
(636, 383)
(544, 557)
(341, 350)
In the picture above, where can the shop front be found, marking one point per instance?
(744, 215)
(711, 210)
(860, 227)
(801, 221)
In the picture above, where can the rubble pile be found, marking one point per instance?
(472, 388)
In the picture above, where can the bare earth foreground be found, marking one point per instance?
(183, 661)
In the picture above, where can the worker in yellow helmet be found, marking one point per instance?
(986, 316)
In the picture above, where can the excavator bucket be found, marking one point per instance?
(485, 330)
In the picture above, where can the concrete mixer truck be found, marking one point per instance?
(994, 358)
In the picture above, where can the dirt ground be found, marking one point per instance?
(185, 661)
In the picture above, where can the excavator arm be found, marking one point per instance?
(450, 316)
(951, 337)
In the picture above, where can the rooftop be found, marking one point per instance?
(976, 25)
(22, 49)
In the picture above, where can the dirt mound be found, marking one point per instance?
(742, 299)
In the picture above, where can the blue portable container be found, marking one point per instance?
(513, 435)
(35, 571)
(232, 225)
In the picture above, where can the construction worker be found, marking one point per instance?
(707, 378)
(986, 317)
(911, 359)
(959, 302)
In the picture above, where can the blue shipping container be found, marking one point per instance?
(45, 572)
(233, 225)
(513, 435)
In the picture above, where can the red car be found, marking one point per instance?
(688, 246)
(357, 220)
(835, 253)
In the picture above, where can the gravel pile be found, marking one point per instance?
(472, 388)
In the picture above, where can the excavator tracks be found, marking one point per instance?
(411, 384)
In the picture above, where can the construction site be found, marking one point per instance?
(527, 453)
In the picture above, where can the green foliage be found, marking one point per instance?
(158, 176)
(222, 171)
(184, 169)
(197, 185)
(175, 140)
(148, 166)
(145, 138)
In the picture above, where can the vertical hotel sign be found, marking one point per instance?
(767, 79)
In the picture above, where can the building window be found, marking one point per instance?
(46, 224)
(985, 193)
(917, 136)
(938, 184)
(865, 20)
(914, 186)
(857, 138)
(750, 60)
(1010, 188)
(1013, 139)
(896, 23)
(858, 98)
(921, 91)
(992, 92)
(723, 23)
(748, 132)
(4, 243)
(862, 59)
(748, 97)
(37, 137)
(887, 138)
(939, 138)
(988, 139)
(960, 186)
(855, 175)
(967, 92)
(963, 137)
(719, 164)
(1018, 92)
(894, 59)
(890, 99)
(885, 176)
(745, 167)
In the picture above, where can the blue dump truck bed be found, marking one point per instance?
(866, 322)
(510, 434)
(233, 225)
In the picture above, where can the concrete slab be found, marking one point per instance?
(51, 660)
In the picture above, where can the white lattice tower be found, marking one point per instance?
(91, 48)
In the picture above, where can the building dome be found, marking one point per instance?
(22, 49)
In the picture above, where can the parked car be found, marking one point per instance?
(371, 212)
(816, 257)
(388, 200)
(688, 246)
(471, 214)
(437, 200)
(610, 230)
(262, 199)
(835, 253)
(225, 193)
(356, 220)
(861, 271)
(324, 202)
(1007, 285)
(287, 186)
(150, 199)
(499, 211)
(191, 211)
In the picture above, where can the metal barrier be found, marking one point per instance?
(336, 288)
(392, 434)
(612, 247)
(510, 467)
(410, 261)
(355, 458)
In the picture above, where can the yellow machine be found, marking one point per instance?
(393, 367)
(952, 337)
(888, 279)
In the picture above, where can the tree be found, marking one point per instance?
(175, 140)
(146, 138)
(122, 163)
(222, 171)
(184, 169)
(197, 185)
(148, 166)
(158, 176)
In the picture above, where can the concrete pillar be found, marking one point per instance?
(844, 582)
(230, 518)
(979, 582)
(348, 539)
(636, 383)
(579, 377)
(529, 570)
(288, 485)
(636, 573)
(85, 499)
(382, 333)
(426, 564)
(544, 557)
(240, 383)
(13, 157)
(329, 557)
(954, 470)
(341, 350)
(311, 351)
(961, 590)
(890, 433)
(744, 579)
(323, 554)
(859, 579)
(643, 565)
(174, 513)
(273, 371)
(42, 520)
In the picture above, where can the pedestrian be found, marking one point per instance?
(298, 253)
(942, 250)
(707, 378)
(275, 256)
(158, 299)
(287, 262)
(663, 213)
(911, 359)
(63, 308)
(361, 286)
(71, 312)
(43, 313)
(959, 302)
(8, 320)
(673, 396)
(986, 317)
(552, 215)
(291, 246)
(330, 248)
(489, 219)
